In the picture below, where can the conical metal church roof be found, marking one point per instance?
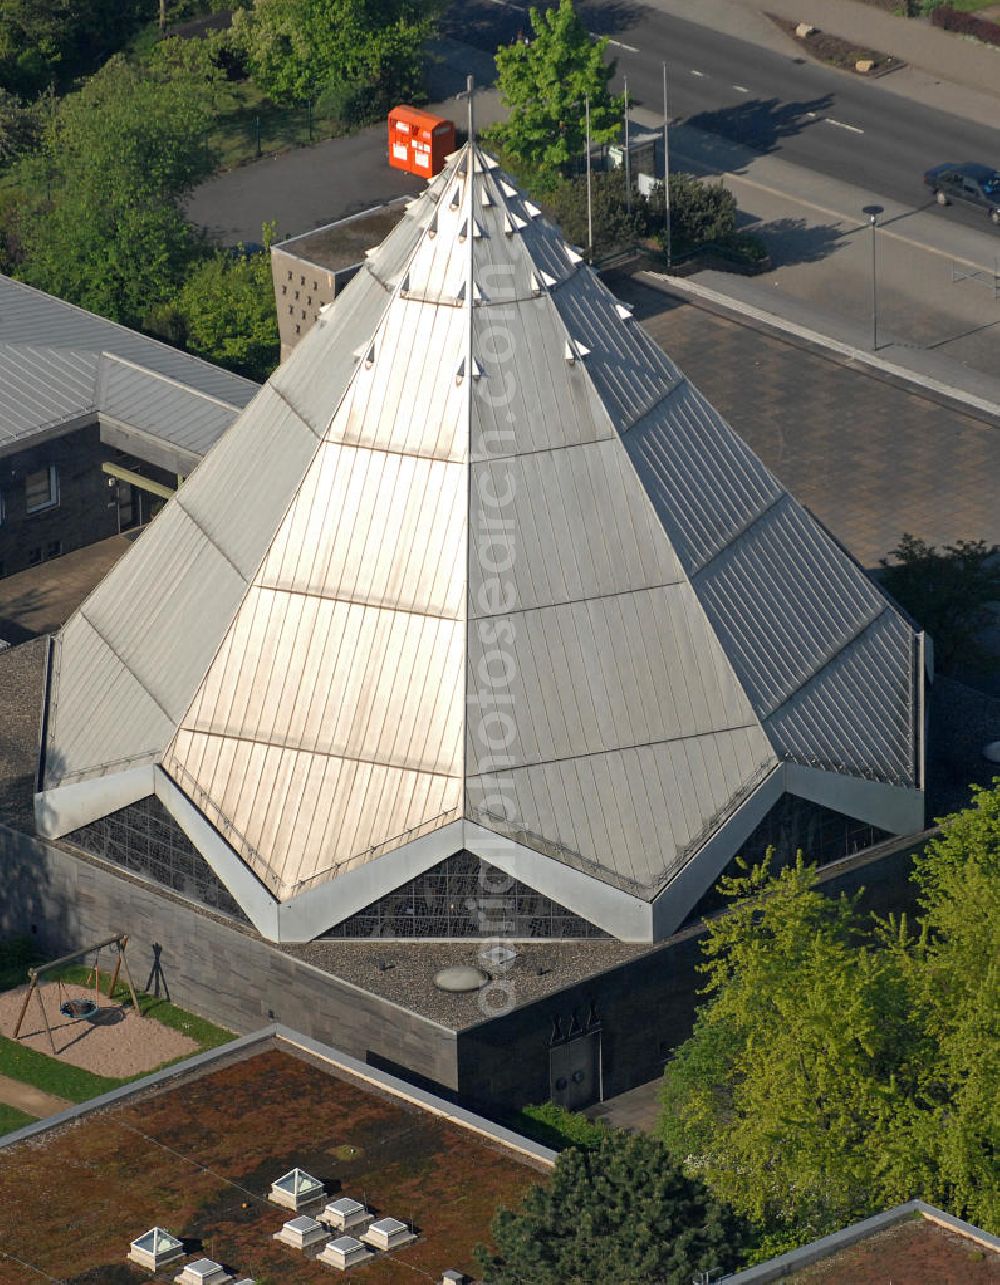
(479, 569)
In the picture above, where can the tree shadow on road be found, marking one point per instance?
(791, 241)
(761, 123)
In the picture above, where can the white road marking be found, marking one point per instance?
(840, 125)
(741, 89)
(619, 44)
(697, 73)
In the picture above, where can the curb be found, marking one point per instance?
(980, 406)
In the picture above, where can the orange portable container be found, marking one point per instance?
(418, 141)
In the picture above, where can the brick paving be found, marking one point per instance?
(870, 458)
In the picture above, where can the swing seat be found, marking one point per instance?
(78, 1008)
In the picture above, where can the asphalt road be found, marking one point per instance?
(811, 115)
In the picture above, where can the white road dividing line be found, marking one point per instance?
(697, 73)
(619, 44)
(741, 89)
(840, 125)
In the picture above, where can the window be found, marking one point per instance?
(35, 557)
(3, 509)
(53, 549)
(289, 274)
(41, 489)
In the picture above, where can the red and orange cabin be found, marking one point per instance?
(418, 141)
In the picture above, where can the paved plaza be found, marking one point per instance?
(871, 458)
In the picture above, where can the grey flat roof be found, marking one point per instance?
(343, 244)
(60, 364)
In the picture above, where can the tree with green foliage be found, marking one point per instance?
(298, 50)
(956, 981)
(621, 1211)
(224, 312)
(841, 1064)
(51, 41)
(543, 83)
(782, 1095)
(104, 225)
(948, 592)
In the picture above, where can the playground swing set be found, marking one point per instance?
(79, 1008)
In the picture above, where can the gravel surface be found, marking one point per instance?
(118, 1043)
(407, 977)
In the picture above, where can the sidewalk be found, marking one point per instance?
(32, 1101)
(938, 280)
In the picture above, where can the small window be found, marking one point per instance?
(289, 274)
(291, 309)
(314, 285)
(303, 314)
(309, 299)
(298, 330)
(41, 489)
(35, 556)
(3, 509)
(53, 549)
(3, 569)
(302, 281)
(284, 290)
(296, 294)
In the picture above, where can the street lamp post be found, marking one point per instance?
(873, 211)
(666, 163)
(628, 158)
(590, 216)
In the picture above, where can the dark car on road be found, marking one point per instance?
(976, 185)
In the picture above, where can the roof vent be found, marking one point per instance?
(513, 223)
(404, 285)
(487, 198)
(388, 1233)
(624, 311)
(532, 209)
(507, 189)
(155, 1248)
(344, 1252)
(432, 227)
(576, 351)
(459, 978)
(574, 256)
(302, 1233)
(499, 956)
(204, 1272)
(346, 1214)
(456, 198)
(541, 281)
(370, 358)
(296, 1189)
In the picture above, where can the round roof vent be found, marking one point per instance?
(991, 752)
(500, 956)
(460, 977)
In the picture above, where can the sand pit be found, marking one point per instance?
(113, 1042)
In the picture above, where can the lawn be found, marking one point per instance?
(11, 1119)
(72, 1082)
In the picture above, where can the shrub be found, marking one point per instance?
(967, 24)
